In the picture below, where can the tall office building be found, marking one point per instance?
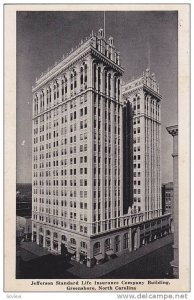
(77, 147)
(142, 130)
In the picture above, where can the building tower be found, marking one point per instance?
(142, 130)
(77, 149)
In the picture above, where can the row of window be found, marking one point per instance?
(83, 194)
(64, 224)
(64, 162)
(72, 204)
(137, 191)
(43, 100)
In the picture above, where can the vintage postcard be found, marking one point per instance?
(97, 101)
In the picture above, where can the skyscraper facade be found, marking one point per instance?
(81, 163)
(142, 138)
(77, 145)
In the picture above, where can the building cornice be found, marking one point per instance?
(72, 59)
(140, 87)
(107, 61)
(60, 68)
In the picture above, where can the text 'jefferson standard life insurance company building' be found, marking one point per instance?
(96, 156)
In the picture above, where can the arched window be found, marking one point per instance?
(47, 97)
(107, 244)
(81, 75)
(109, 83)
(64, 238)
(40, 101)
(57, 88)
(55, 94)
(50, 91)
(97, 248)
(75, 79)
(71, 81)
(43, 100)
(117, 243)
(62, 87)
(126, 240)
(115, 86)
(105, 79)
(85, 75)
(55, 235)
(65, 84)
(99, 78)
(118, 89)
(48, 232)
(94, 76)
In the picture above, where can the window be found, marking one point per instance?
(83, 245)
(81, 75)
(126, 241)
(73, 241)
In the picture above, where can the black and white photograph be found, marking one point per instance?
(97, 149)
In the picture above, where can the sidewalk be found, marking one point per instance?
(98, 271)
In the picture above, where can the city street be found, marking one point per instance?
(152, 261)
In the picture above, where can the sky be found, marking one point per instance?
(43, 38)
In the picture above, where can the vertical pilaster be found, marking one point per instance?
(44, 237)
(37, 234)
(89, 253)
(130, 240)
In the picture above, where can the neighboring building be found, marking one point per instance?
(142, 138)
(167, 197)
(78, 159)
(173, 130)
(24, 199)
(23, 228)
(23, 207)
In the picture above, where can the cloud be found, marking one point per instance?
(23, 143)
